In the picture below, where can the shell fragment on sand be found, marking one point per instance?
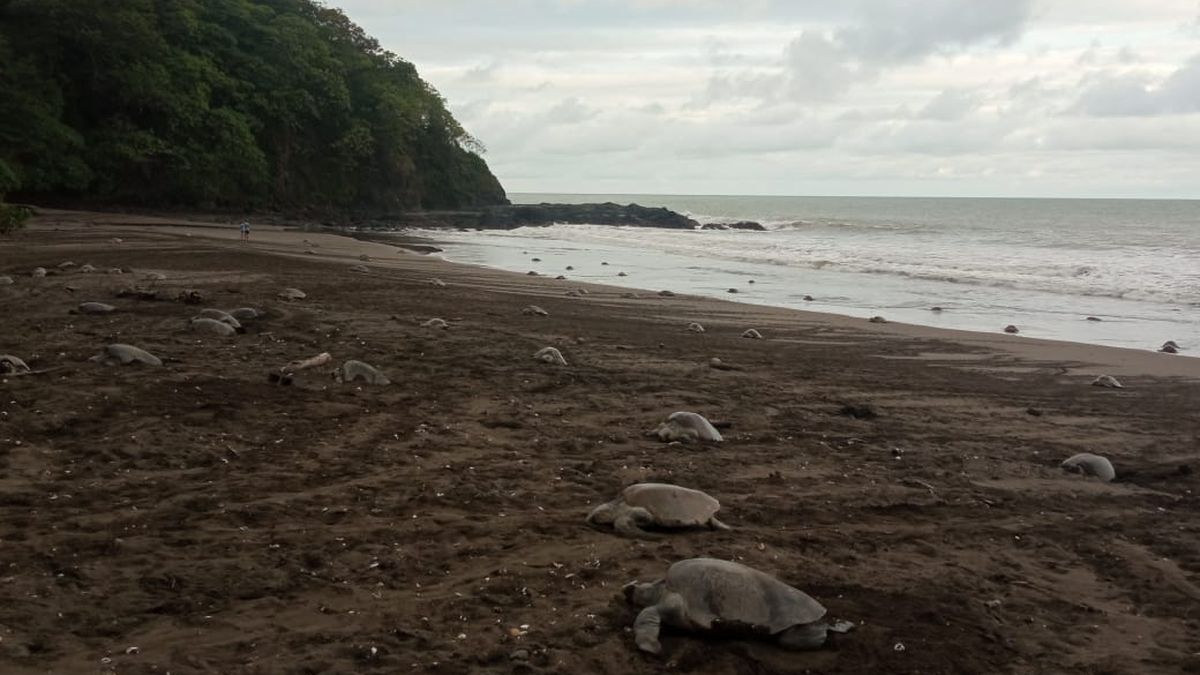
(1107, 381)
(122, 354)
(694, 327)
(752, 334)
(534, 310)
(285, 373)
(292, 294)
(706, 594)
(95, 308)
(212, 327)
(10, 364)
(550, 355)
(687, 427)
(659, 505)
(352, 370)
(1092, 465)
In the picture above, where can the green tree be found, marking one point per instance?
(226, 103)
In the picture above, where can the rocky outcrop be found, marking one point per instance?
(739, 225)
(508, 217)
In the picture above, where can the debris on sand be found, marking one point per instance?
(285, 373)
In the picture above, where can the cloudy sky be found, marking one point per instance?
(817, 97)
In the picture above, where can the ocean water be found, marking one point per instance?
(1043, 265)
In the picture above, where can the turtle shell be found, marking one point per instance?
(694, 423)
(1094, 465)
(127, 354)
(671, 505)
(723, 594)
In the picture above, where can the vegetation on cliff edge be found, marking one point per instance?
(222, 103)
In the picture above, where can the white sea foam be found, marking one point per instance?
(1046, 261)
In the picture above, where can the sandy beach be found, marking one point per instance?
(195, 518)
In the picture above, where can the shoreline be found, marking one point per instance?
(194, 517)
(1085, 358)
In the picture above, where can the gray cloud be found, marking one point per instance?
(1134, 95)
(949, 106)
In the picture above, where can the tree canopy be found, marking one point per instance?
(222, 103)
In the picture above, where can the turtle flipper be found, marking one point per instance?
(627, 525)
(717, 525)
(645, 630)
(804, 636)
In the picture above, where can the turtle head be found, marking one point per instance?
(643, 594)
(605, 514)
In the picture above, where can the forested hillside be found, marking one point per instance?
(222, 103)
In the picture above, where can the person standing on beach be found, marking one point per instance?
(245, 227)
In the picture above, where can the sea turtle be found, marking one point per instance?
(695, 327)
(364, 257)
(436, 323)
(808, 298)
(752, 334)
(877, 319)
(212, 326)
(534, 310)
(719, 596)
(657, 504)
(357, 370)
(292, 294)
(190, 296)
(246, 313)
(95, 308)
(154, 276)
(38, 272)
(1107, 381)
(550, 355)
(360, 269)
(124, 355)
(437, 282)
(114, 270)
(732, 290)
(622, 274)
(1093, 465)
(87, 268)
(1169, 347)
(6, 280)
(717, 364)
(687, 426)
(12, 364)
(1011, 329)
(65, 264)
(222, 316)
(667, 294)
(1094, 318)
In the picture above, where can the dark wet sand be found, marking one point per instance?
(197, 519)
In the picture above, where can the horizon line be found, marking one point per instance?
(851, 196)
